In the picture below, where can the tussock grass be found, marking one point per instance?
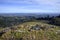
(49, 34)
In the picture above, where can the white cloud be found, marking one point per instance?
(53, 3)
(22, 10)
(33, 5)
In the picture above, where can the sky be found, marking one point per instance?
(29, 6)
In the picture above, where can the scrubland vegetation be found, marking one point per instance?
(29, 28)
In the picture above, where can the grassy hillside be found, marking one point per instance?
(29, 28)
(32, 31)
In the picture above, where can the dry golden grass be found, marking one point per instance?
(24, 34)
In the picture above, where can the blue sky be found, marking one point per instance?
(29, 6)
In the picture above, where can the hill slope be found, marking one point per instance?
(32, 31)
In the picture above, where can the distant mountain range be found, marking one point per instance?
(30, 14)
